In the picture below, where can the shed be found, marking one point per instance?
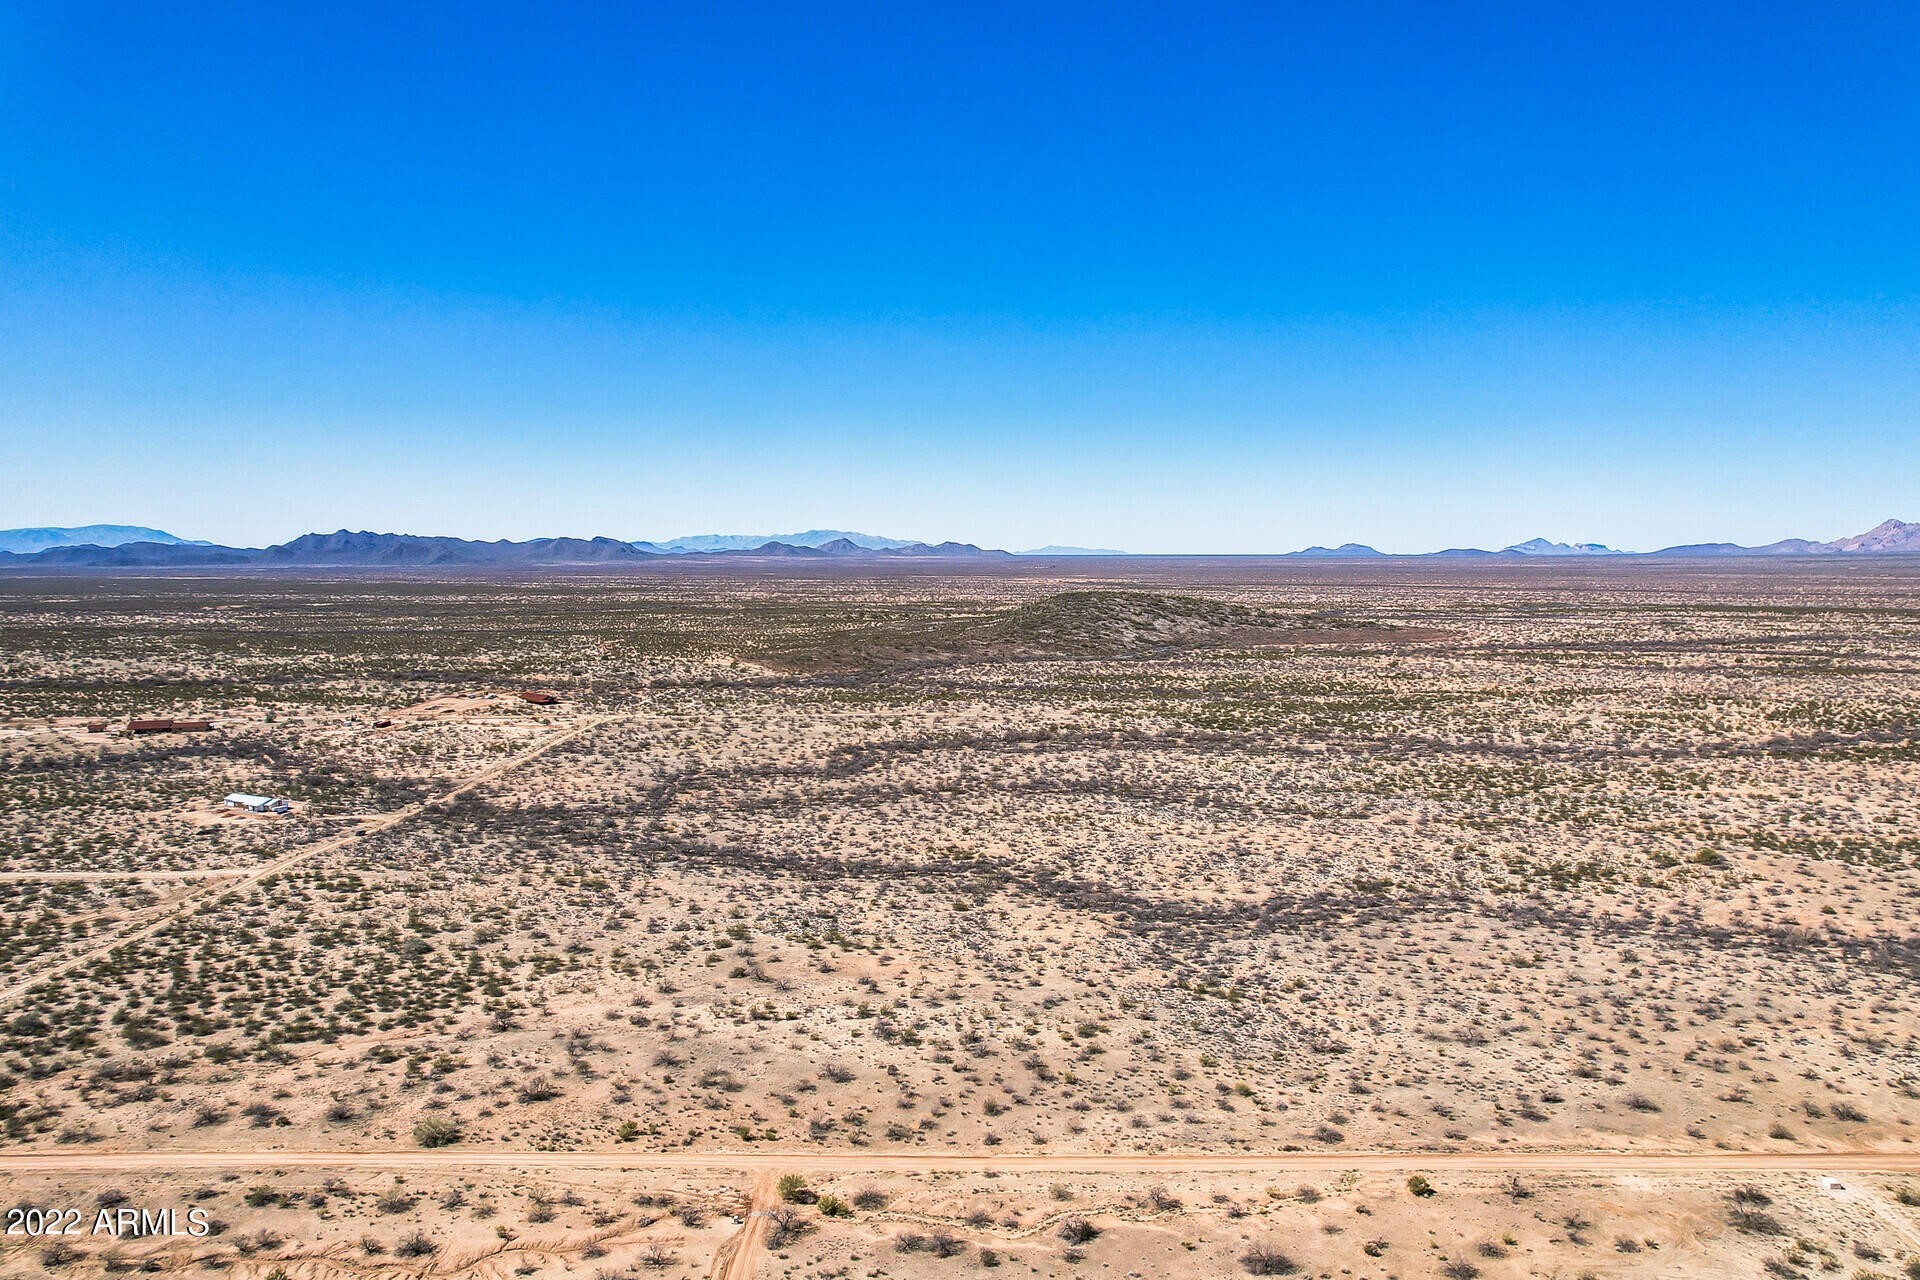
(539, 697)
(96, 726)
(149, 726)
(192, 726)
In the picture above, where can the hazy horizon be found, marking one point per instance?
(935, 539)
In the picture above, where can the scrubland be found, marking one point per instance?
(1210, 857)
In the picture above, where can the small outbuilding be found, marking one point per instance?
(539, 697)
(257, 804)
(96, 726)
(169, 726)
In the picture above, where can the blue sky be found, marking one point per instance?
(1170, 278)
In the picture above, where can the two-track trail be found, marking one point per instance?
(220, 888)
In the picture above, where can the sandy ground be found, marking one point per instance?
(1168, 929)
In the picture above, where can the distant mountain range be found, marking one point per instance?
(346, 549)
(134, 547)
(26, 542)
(747, 542)
(1892, 537)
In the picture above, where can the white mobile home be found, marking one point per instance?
(257, 804)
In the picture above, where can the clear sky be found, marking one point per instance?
(1184, 277)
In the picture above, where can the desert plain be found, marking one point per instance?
(1107, 918)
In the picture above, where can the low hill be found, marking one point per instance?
(1077, 624)
(137, 555)
(1109, 622)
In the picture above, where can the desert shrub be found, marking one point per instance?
(59, 1254)
(537, 1089)
(416, 1246)
(1262, 1260)
(258, 1242)
(436, 1131)
(1078, 1231)
(395, 1200)
(1755, 1222)
(785, 1225)
(1419, 1185)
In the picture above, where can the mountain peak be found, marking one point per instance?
(1887, 536)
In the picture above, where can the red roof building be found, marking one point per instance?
(169, 726)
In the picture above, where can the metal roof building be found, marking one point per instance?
(257, 804)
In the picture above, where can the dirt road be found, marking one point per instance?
(823, 1162)
(222, 888)
(740, 1255)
